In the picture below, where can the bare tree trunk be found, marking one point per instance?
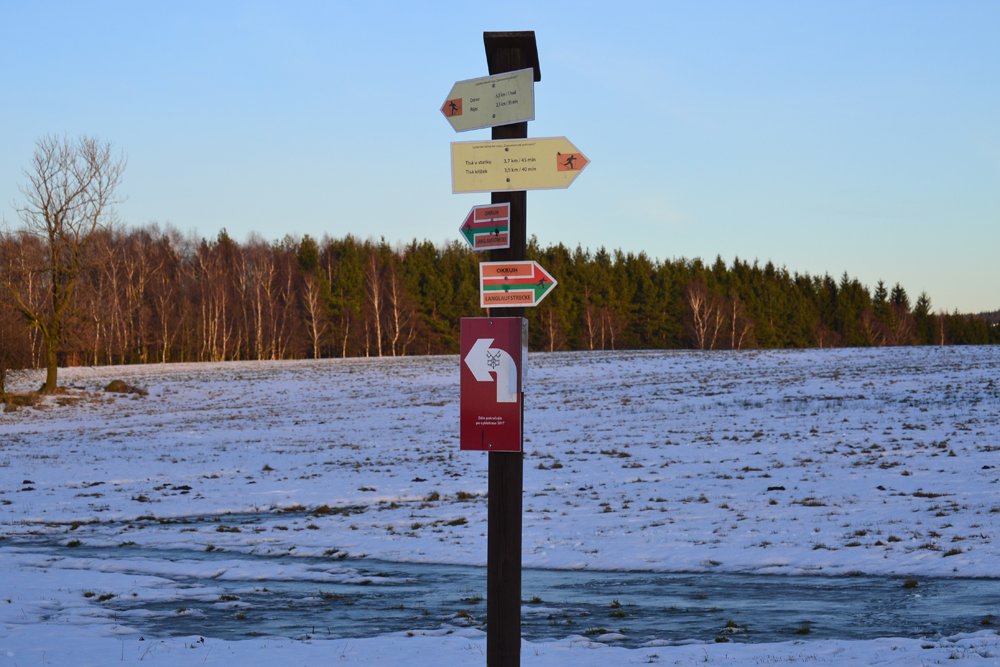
(613, 327)
(742, 337)
(311, 299)
(374, 281)
(697, 298)
(410, 337)
(604, 320)
(281, 322)
(347, 333)
(732, 323)
(590, 327)
(551, 329)
(394, 305)
(401, 316)
(718, 318)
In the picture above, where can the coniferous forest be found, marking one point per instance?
(148, 295)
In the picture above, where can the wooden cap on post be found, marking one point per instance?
(503, 49)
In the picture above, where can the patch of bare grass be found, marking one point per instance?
(122, 387)
(13, 401)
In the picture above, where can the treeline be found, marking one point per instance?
(631, 301)
(154, 295)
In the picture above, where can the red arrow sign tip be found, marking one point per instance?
(452, 107)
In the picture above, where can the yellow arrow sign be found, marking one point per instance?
(518, 164)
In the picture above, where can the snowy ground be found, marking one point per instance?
(882, 461)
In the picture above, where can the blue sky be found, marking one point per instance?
(823, 136)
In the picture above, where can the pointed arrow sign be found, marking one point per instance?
(488, 101)
(519, 164)
(487, 227)
(483, 360)
(513, 284)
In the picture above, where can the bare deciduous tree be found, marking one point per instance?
(69, 194)
(707, 315)
(15, 344)
(740, 325)
(315, 313)
(373, 278)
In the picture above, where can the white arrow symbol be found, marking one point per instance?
(483, 359)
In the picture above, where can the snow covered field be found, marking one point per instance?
(881, 461)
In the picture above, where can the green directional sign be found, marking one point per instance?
(513, 284)
(487, 227)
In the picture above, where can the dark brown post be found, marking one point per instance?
(507, 52)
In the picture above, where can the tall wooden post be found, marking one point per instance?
(507, 52)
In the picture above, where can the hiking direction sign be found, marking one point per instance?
(494, 353)
(487, 227)
(520, 164)
(489, 101)
(513, 284)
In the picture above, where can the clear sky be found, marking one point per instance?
(825, 136)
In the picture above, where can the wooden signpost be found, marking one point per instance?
(494, 349)
(507, 52)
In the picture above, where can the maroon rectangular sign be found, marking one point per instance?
(492, 359)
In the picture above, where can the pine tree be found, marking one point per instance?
(923, 320)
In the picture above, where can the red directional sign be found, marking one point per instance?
(494, 351)
(487, 227)
(513, 284)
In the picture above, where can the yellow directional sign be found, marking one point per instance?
(515, 164)
(489, 101)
